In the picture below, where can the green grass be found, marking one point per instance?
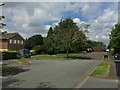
(11, 70)
(56, 56)
(102, 70)
(22, 61)
(8, 68)
(105, 53)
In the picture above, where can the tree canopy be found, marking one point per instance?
(115, 38)
(65, 37)
(33, 41)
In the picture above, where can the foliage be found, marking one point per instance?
(32, 52)
(90, 44)
(38, 49)
(65, 37)
(33, 41)
(115, 38)
(9, 55)
(48, 42)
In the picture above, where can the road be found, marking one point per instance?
(53, 74)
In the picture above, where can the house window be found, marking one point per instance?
(21, 41)
(18, 41)
(10, 41)
(15, 41)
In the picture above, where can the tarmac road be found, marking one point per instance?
(53, 74)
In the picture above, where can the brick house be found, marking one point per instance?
(11, 41)
(98, 49)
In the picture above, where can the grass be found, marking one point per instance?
(102, 70)
(105, 53)
(11, 70)
(22, 61)
(56, 56)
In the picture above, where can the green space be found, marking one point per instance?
(102, 70)
(56, 56)
(22, 61)
(11, 70)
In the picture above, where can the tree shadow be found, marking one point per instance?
(80, 57)
(12, 70)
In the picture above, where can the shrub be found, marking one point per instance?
(9, 55)
(32, 52)
(38, 49)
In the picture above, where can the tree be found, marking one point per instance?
(33, 41)
(65, 36)
(115, 38)
(48, 42)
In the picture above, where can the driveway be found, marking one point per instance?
(53, 74)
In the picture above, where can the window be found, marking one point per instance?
(10, 41)
(15, 41)
(21, 41)
(18, 41)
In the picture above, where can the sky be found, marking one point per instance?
(30, 18)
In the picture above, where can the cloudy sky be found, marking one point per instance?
(29, 18)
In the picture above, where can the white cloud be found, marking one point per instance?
(47, 27)
(33, 18)
(102, 25)
(86, 9)
(76, 20)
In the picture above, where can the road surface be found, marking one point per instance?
(53, 74)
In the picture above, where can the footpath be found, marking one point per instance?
(110, 82)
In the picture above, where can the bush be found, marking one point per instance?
(26, 55)
(9, 55)
(38, 49)
(32, 52)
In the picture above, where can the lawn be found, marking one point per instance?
(102, 70)
(22, 61)
(11, 70)
(56, 56)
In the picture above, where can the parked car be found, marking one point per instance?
(117, 64)
(117, 56)
(89, 50)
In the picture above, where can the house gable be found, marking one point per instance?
(13, 41)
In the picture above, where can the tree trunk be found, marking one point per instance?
(67, 53)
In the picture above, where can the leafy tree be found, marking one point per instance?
(49, 42)
(115, 38)
(38, 49)
(65, 37)
(33, 41)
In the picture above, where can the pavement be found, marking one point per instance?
(112, 81)
(52, 74)
(64, 74)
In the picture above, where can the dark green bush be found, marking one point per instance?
(9, 55)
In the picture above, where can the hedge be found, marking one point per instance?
(9, 55)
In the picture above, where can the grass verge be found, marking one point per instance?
(102, 70)
(11, 70)
(22, 61)
(56, 56)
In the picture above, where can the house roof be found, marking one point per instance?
(9, 35)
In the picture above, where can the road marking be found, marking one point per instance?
(83, 82)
